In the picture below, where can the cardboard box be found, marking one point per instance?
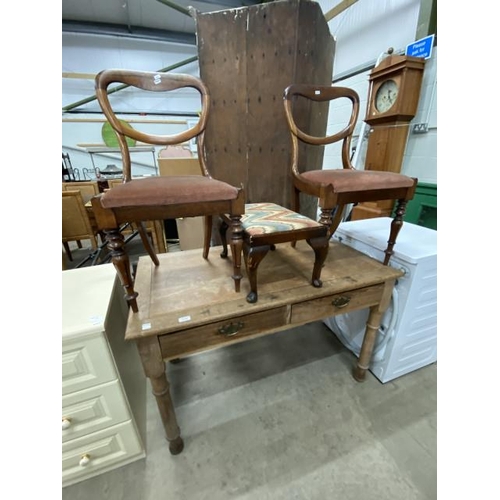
(189, 229)
(179, 166)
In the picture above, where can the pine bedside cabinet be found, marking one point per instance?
(103, 387)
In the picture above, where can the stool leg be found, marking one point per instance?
(320, 247)
(223, 232)
(253, 258)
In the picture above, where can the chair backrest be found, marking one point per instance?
(75, 219)
(321, 93)
(87, 189)
(154, 82)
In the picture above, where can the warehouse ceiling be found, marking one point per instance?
(166, 20)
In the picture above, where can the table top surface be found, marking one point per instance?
(186, 290)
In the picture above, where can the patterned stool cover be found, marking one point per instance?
(267, 218)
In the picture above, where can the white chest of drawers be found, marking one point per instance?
(103, 387)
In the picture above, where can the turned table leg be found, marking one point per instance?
(372, 326)
(154, 369)
(365, 355)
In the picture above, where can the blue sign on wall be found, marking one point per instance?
(421, 48)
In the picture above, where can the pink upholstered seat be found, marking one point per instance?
(343, 181)
(171, 190)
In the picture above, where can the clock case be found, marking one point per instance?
(407, 72)
(389, 132)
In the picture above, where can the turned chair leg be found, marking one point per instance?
(121, 261)
(236, 249)
(332, 221)
(147, 243)
(207, 235)
(396, 225)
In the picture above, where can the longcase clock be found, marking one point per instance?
(393, 97)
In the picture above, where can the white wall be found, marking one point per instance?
(420, 159)
(82, 53)
(370, 27)
(90, 54)
(363, 32)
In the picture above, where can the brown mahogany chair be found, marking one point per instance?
(159, 197)
(335, 188)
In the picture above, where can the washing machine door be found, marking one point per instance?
(350, 330)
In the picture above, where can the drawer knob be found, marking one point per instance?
(341, 301)
(231, 329)
(84, 460)
(66, 423)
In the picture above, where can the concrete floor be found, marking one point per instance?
(280, 417)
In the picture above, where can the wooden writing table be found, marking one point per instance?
(188, 305)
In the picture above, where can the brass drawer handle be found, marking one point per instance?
(341, 301)
(231, 329)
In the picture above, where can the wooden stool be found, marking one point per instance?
(267, 224)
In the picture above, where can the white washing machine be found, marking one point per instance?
(407, 338)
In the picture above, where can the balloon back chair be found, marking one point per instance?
(159, 197)
(337, 187)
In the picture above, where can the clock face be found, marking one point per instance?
(386, 96)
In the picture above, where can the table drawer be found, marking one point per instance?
(86, 363)
(221, 332)
(99, 452)
(339, 303)
(93, 409)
